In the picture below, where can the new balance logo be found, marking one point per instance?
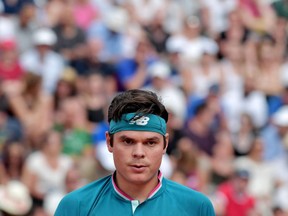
(140, 121)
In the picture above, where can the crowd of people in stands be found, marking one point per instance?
(219, 66)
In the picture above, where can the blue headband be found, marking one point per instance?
(135, 122)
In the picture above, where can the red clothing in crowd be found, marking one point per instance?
(13, 72)
(10, 68)
(236, 204)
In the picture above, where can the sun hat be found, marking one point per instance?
(15, 198)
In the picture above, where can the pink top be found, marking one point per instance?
(84, 15)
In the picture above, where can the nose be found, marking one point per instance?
(138, 151)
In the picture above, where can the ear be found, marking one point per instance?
(167, 142)
(108, 142)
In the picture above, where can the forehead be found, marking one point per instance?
(137, 135)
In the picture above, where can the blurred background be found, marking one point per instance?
(219, 66)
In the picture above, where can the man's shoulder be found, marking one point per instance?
(82, 199)
(95, 186)
(188, 200)
(184, 192)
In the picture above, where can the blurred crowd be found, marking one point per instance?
(219, 66)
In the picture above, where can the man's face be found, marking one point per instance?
(137, 156)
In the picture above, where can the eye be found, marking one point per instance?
(151, 143)
(128, 141)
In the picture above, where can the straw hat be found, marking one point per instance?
(15, 198)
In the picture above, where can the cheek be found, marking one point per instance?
(156, 155)
(120, 155)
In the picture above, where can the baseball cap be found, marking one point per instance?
(242, 173)
(15, 198)
(280, 117)
(159, 69)
(44, 36)
(116, 19)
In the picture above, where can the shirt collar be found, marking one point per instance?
(127, 197)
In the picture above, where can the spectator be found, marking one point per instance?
(233, 66)
(132, 72)
(29, 104)
(222, 161)
(199, 128)
(85, 13)
(77, 143)
(53, 10)
(65, 88)
(274, 133)
(232, 198)
(269, 70)
(10, 68)
(242, 140)
(12, 161)
(146, 11)
(95, 99)
(71, 39)
(204, 74)
(25, 24)
(108, 35)
(191, 42)
(250, 101)
(73, 181)
(192, 167)
(262, 173)
(42, 60)
(10, 127)
(46, 168)
(215, 13)
(236, 33)
(157, 34)
(77, 135)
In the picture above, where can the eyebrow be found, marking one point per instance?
(154, 138)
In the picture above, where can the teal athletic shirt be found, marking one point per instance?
(104, 198)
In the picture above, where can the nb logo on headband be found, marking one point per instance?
(140, 121)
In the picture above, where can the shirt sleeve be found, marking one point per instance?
(68, 207)
(207, 209)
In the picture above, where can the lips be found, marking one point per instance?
(138, 167)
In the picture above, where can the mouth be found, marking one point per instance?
(138, 167)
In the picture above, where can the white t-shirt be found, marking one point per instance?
(49, 179)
